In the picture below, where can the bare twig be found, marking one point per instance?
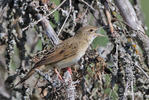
(70, 4)
(36, 22)
(70, 86)
(49, 31)
(109, 20)
(88, 5)
(142, 71)
(132, 90)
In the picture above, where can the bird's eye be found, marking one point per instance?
(91, 30)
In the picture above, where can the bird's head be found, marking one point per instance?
(88, 33)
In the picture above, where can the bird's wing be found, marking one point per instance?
(62, 52)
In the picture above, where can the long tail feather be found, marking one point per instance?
(29, 74)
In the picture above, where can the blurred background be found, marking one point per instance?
(145, 9)
(99, 79)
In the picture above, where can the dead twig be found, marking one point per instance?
(88, 5)
(70, 4)
(36, 22)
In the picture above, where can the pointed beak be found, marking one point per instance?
(98, 35)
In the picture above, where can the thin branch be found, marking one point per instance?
(132, 90)
(70, 4)
(36, 22)
(142, 71)
(88, 5)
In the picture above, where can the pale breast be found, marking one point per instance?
(74, 59)
(67, 62)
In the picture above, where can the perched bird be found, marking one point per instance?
(68, 52)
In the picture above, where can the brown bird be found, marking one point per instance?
(68, 52)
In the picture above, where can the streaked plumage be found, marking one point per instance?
(68, 52)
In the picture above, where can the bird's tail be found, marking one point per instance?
(29, 74)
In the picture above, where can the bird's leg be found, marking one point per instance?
(59, 76)
(69, 70)
(37, 81)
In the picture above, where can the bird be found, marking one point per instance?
(67, 53)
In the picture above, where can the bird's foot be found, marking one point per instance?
(69, 70)
(58, 74)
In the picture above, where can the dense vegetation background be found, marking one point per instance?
(144, 7)
(114, 67)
